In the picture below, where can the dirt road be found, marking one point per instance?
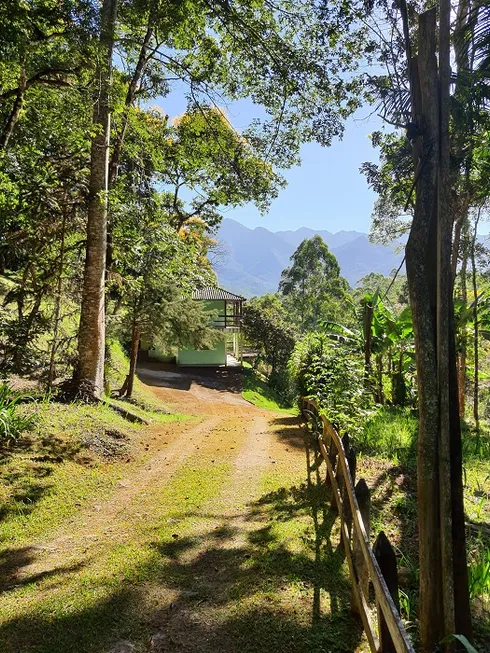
(206, 544)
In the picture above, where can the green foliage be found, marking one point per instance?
(389, 339)
(393, 291)
(267, 328)
(332, 374)
(12, 423)
(390, 432)
(292, 61)
(312, 287)
(261, 394)
(468, 647)
(479, 575)
(158, 271)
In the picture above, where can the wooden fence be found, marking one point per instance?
(367, 565)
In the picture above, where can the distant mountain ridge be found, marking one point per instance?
(250, 261)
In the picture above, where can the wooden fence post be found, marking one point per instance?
(363, 496)
(332, 457)
(339, 476)
(352, 462)
(385, 555)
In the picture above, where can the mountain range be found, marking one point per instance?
(250, 261)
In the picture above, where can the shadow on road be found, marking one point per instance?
(270, 579)
(163, 375)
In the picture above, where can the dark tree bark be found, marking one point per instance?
(463, 345)
(14, 114)
(421, 274)
(133, 359)
(445, 318)
(476, 329)
(91, 338)
(444, 601)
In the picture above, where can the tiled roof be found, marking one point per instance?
(212, 293)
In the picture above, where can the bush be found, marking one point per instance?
(332, 374)
(12, 423)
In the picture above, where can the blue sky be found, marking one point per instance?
(326, 191)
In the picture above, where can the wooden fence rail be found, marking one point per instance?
(366, 564)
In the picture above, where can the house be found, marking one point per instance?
(226, 316)
(226, 308)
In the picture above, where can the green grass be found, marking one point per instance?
(256, 567)
(258, 393)
(68, 459)
(80, 610)
(389, 432)
(293, 594)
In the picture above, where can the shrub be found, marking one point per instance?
(332, 374)
(12, 423)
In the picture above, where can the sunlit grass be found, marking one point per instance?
(258, 393)
(389, 432)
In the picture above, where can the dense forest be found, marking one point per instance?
(109, 210)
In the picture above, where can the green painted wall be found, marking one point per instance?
(216, 356)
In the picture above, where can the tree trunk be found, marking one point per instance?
(463, 345)
(91, 337)
(368, 321)
(13, 117)
(445, 317)
(444, 601)
(421, 274)
(57, 310)
(133, 360)
(476, 393)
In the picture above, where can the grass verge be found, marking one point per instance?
(258, 393)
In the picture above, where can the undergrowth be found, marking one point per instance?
(387, 448)
(12, 421)
(116, 370)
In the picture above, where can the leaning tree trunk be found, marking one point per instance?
(14, 114)
(128, 386)
(91, 337)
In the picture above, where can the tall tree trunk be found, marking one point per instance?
(476, 392)
(367, 326)
(444, 600)
(91, 337)
(133, 359)
(445, 317)
(421, 274)
(463, 345)
(57, 310)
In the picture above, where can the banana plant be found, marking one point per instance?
(381, 334)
